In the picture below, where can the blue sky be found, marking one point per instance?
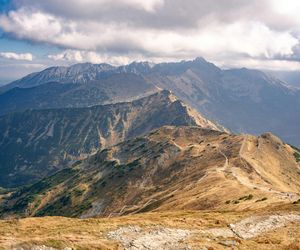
(9, 43)
(11, 69)
(5, 5)
(35, 34)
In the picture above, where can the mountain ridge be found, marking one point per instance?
(34, 143)
(92, 71)
(243, 100)
(115, 88)
(171, 168)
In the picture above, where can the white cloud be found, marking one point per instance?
(35, 26)
(148, 5)
(89, 6)
(124, 30)
(80, 56)
(253, 38)
(274, 65)
(286, 13)
(15, 56)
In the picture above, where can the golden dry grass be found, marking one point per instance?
(210, 180)
(60, 232)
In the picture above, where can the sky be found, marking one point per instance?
(35, 34)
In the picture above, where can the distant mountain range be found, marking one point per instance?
(243, 100)
(115, 88)
(292, 77)
(35, 143)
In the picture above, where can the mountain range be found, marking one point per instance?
(35, 143)
(116, 88)
(149, 156)
(243, 100)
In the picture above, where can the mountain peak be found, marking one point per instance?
(200, 59)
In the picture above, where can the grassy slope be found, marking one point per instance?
(192, 173)
(60, 232)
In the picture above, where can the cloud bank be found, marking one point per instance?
(257, 33)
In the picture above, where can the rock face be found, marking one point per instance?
(158, 239)
(242, 100)
(35, 143)
(256, 225)
(172, 168)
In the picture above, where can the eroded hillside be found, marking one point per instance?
(35, 143)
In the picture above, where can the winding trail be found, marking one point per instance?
(122, 211)
(246, 182)
(226, 163)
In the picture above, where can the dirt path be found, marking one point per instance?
(226, 163)
(246, 182)
(129, 207)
